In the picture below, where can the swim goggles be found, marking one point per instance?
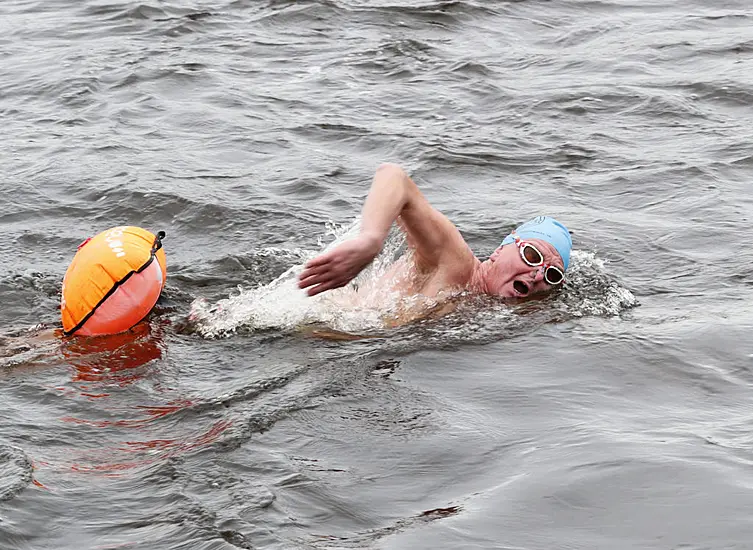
(533, 257)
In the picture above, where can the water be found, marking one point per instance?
(614, 414)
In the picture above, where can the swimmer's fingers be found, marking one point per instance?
(326, 266)
(324, 279)
(329, 285)
(317, 274)
(312, 279)
(309, 272)
(320, 260)
(337, 267)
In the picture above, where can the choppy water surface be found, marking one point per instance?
(615, 414)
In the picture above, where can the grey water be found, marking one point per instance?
(614, 414)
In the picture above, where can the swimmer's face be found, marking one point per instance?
(510, 276)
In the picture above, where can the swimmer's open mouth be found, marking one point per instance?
(520, 287)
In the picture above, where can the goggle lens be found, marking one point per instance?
(532, 256)
(553, 276)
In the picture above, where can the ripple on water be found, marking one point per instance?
(16, 471)
(240, 128)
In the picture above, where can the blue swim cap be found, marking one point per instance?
(549, 230)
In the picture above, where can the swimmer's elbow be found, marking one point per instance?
(392, 171)
(394, 176)
(396, 182)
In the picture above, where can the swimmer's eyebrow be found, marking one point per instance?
(552, 257)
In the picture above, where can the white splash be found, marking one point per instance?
(591, 290)
(362, 305)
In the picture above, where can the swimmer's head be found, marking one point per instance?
(530, 261)
(546, 229)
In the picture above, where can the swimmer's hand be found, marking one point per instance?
(339, 266)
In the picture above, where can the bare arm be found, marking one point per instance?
(393, 195)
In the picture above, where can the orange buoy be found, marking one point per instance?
(113, 281)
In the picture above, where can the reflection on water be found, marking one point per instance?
(115, 359)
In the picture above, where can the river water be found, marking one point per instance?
(614, 414)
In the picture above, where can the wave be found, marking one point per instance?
(16, 471)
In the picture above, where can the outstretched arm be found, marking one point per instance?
(393, 195)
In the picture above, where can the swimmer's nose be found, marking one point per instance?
(538, 275)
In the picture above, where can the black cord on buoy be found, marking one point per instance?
(158, 241)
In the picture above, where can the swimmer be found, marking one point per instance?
(530, 261)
